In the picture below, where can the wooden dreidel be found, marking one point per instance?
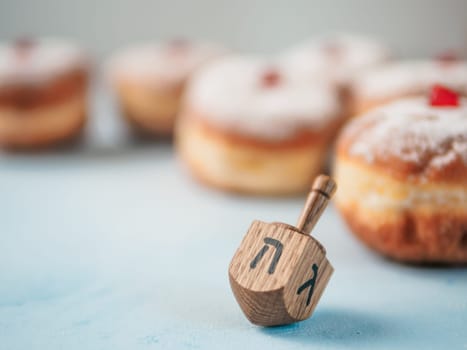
(279, 272)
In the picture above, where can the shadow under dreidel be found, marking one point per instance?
(334, 326)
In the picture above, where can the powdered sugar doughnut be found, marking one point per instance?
(249, 127)
(402, 174)
(397, 80)
(150, 78)
(43, 84)
(337, 58)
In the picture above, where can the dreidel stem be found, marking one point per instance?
(322, 190)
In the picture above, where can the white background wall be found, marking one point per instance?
(412, 27)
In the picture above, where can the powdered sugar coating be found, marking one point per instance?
(231, 94)
(45, 59)
(339, 57)
(162, 63)
(413, 132)
(411, 77)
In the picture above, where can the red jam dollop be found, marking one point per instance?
(447, 57)
(442, 96)
(270, 78)
(23, 46)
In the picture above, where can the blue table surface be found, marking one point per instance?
(116, 248)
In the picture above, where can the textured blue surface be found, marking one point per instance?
(121, 251)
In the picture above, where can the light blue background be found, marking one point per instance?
(111, 246)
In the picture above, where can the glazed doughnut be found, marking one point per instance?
(149, 80)
(43, 85)
(404, 79)
(338, 58)
(247, 127)
(402, 175)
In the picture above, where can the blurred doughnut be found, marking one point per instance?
(402, 175)
(150, 78)
(248, 127)
(43, 85)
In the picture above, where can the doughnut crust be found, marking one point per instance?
(150, 110)
(406, 195)
(242, 164)
(432, 229)
(43, 86)
(43, 115)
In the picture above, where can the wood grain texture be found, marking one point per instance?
(272, 299)
(322, 190)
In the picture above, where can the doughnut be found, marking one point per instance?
(402, 175)
(247, 127)
(43, 85)
(338, 58)
(149, 80)
(403, 79)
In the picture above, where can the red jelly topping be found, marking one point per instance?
(441, 96)
(447, 57)
(23, 42)
(178, 44)
(23, 46)
(333, 49)
(270, 78)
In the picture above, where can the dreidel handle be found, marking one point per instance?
(322, 190)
